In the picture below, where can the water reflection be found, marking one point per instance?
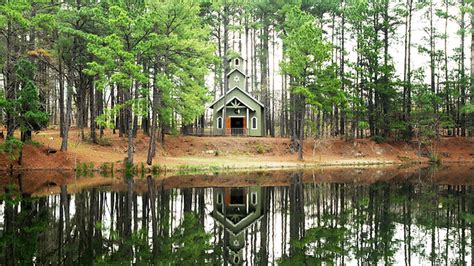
(298, 221)
(236, 209)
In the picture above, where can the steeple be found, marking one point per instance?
(236, 76)
(237, 63)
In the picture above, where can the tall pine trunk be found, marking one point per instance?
(10, 76)
(462, 118)
(407, 74)
(68, 114)
(92, 110)
(154, 121)
(342, 74)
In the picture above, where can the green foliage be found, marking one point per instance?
(85, 169)
(363, 125)
(26, 108)
(189, 243)
(107, 118)
(262, 148)
(105, 169)
(468, 108)
(186, 169)
(307, 60)
(434, 158)
(320, 245)
(32, 142)
(155, 169)
(170, 35)
(425, 120)
(130, 170)
(12, 147)
(378, 138)
(25, 230)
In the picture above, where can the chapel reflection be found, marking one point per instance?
(236, 209)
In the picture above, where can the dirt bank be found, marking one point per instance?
(233, 152)
(37, 157)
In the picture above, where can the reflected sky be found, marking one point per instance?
(301, 218)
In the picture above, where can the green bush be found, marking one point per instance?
(262, 148)
(378, 138)
(105, 169)
(155, 169)
(85, 169)
(32, 142)
(434, 158)
(12, 147)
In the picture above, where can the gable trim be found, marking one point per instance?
(244, 92)
(233, 98)
(217, 216)
(236, 69)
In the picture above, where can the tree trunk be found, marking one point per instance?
(343, 24)
(154, 121)
(225, 58)
(407, 74)
(462, 121)
(92, 111)
(10, 77)
(67, 118)
(128, 109)
(471, 115)
(301, 121)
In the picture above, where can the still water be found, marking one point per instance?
(311, 217)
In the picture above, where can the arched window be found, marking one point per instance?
(219, 198)
(236, 62)
(219, 122)
(254, 198)
(254, 122)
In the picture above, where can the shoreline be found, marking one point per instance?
(189, 169)
(195, 154)
(45, 182)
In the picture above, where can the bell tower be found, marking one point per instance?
(237, 77)
(237, 63)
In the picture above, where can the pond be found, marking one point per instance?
(349, 216)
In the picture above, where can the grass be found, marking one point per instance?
(105, 169)
(156, 169)
(262, 148)
(85, 169)
(434, 158)
(32, 142)
(190, 169)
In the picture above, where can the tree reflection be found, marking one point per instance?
(142, 222)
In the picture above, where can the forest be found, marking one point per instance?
(380, 69)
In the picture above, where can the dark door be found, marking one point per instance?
(237, 122)
(237, 125)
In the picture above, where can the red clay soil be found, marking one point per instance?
(36, 157)
(232, 151)
(448, 149)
